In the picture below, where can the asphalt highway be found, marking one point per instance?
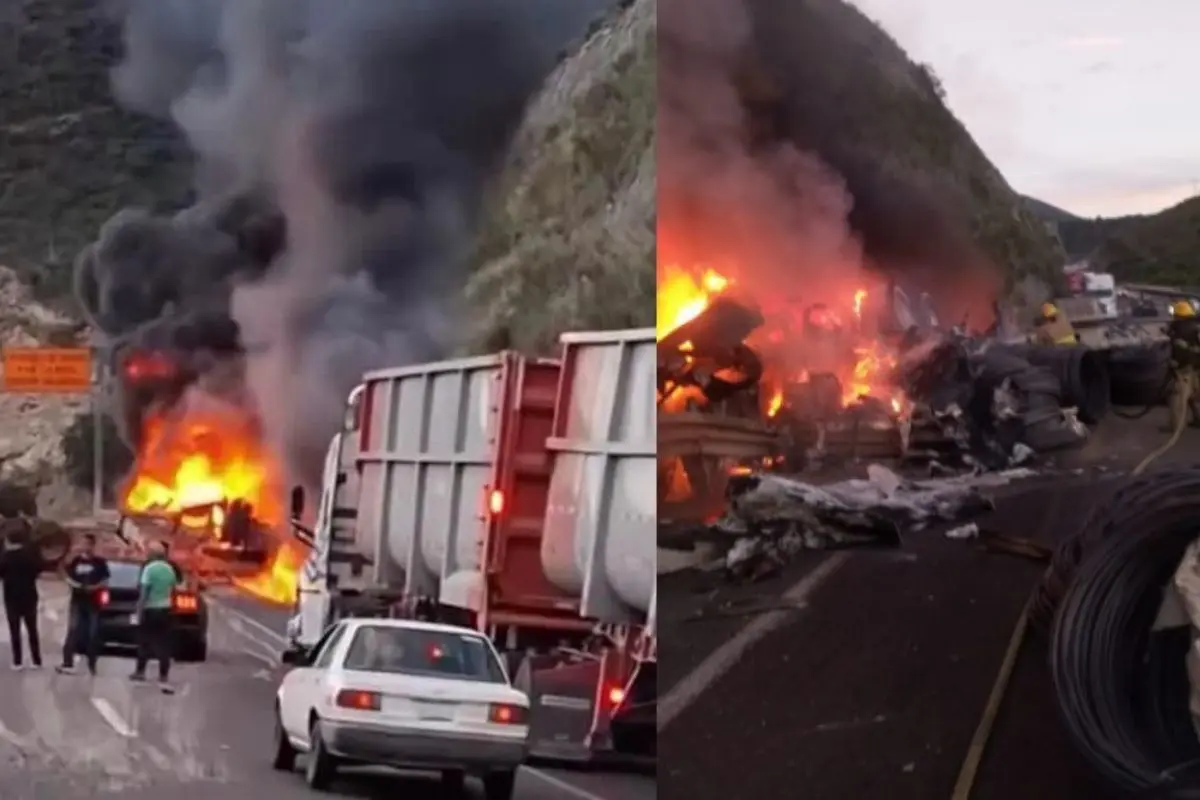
(863, 674)
(69, 737)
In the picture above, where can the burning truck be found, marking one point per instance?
(203, 473)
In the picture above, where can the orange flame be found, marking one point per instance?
(682, 296)
(775, 403)
(194, 466)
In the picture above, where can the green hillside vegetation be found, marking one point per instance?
(568, 240)
(1162, 248)
(69, 157)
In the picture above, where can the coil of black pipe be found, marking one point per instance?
(1082, 373)
(1122, 687)
(1114, 512)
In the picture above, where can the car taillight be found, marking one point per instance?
(495, 502)
(504, 714)
(102, 597)
(616, 695)
(358, 700)
(185, 602)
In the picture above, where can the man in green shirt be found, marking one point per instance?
(155, 635)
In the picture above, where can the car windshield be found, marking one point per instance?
(432, 653)
(123, 574)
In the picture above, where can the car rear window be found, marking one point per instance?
(412, 651)
(123, 573)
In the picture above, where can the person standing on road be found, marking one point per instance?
(155, 634)
(20, 564)
(86, 574)
(1184, 334)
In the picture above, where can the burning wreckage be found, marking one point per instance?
(335, 197)
(204, 475)
(747, 403)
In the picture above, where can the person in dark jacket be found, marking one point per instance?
(20, 564)
(87, 574)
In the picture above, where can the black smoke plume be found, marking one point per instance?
(341, 150)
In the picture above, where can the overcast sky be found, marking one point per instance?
(1088, 105)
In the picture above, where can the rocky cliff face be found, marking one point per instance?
(32, 426)
(569, 240)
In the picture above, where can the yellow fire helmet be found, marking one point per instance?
(1049, 310)
(1182, 309)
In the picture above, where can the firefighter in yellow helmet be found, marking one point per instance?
(1184, 333)
(1052, 328)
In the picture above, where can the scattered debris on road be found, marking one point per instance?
(771, 517)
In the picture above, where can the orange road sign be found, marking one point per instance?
(47, 370)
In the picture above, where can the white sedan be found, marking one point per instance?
(404, 694)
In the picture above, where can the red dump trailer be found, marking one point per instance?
(516, 495)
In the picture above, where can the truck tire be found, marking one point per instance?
(500, 785)
(1138, 375)
(1082, 374)
(320, 767)
(284, 758)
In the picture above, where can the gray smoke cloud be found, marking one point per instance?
(762, 167)
(341, 152)
(755, 207)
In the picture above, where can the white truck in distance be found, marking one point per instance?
(515, 496)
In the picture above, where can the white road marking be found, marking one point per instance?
(114, 719)
(248, 637)
(270, 661)
(273, 638)
(561, 785)
(725, 657)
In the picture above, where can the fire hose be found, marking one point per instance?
(1181, 402)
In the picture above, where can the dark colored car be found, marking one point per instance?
(119, 605)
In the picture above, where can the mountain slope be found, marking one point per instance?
(923, 190)
(69, 157)
(1046, 212)
(569, 239)
(1162, 248)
